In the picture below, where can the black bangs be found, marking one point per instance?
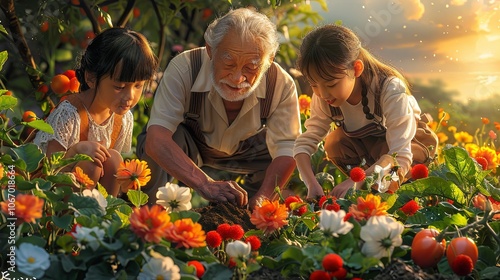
(319, 61)
(134, 63)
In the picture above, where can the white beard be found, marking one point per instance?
(228, 95)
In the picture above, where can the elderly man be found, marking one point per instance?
(225, 107)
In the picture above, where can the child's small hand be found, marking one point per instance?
(315, 191)
(95, 150)
(341, 189)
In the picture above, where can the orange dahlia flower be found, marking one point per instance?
(150, 224)
(186, 234)
(133, 174)
(368, 207)
(269, 216)
(26, 207)
(83, 178)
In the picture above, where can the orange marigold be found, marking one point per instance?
(442, 137)
(150, 224)
(82, 178)
(186, 234)
(26, 207)
(367, 207)
(485, 120)
(133, 174)
(269, 216)
(497, 125)
(489, 154)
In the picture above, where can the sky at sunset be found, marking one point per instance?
(456, 41)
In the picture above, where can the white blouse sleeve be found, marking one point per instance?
(66, 124)
(124, 141)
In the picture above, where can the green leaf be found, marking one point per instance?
(30, 154)
(40, 125)
(137, 198)
(4, 55)
(7, 102)
(426, 187)
(63, 222)
(87, 206)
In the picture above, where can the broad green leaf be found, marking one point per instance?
(30, 153)
(87, 206)
(40, 125)
(63, 222)
(137, 198)
(7, 102)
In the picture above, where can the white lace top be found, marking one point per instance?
(65, 121)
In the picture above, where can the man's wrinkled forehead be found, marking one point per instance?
(253, 58)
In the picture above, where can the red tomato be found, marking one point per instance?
(462, 245)
(426, 251)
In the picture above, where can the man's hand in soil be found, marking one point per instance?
(224, 191)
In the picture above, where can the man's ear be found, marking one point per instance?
(209, 50)
(90, 79)
(359, 66)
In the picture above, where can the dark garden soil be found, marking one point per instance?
(219, 213)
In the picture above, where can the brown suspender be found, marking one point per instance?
(197, 98)
(84, 120)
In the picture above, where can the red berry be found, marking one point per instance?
(200, 269)
(213, 239)
(340, 274)
(462, 265)
(254, 242)
(419, 171)
(319, 275)
(357, 174)
(224, 230)
(332, 262)
(483, 162)
(236, 232)
(291, 199)
(410, 208)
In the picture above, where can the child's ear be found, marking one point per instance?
(90, 79)
(359, 66)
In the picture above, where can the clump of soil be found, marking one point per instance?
(398, 270)
(219, 213)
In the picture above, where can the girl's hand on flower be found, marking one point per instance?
(223, 191)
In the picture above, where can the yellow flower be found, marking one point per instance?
(133, 174)
(82, 178)
(442, 137)
(452, 129)
(368, 207)
(269, 216)
(27, 207)
(305, 104)
(463, 137)
(1, 171)
(186, 234)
